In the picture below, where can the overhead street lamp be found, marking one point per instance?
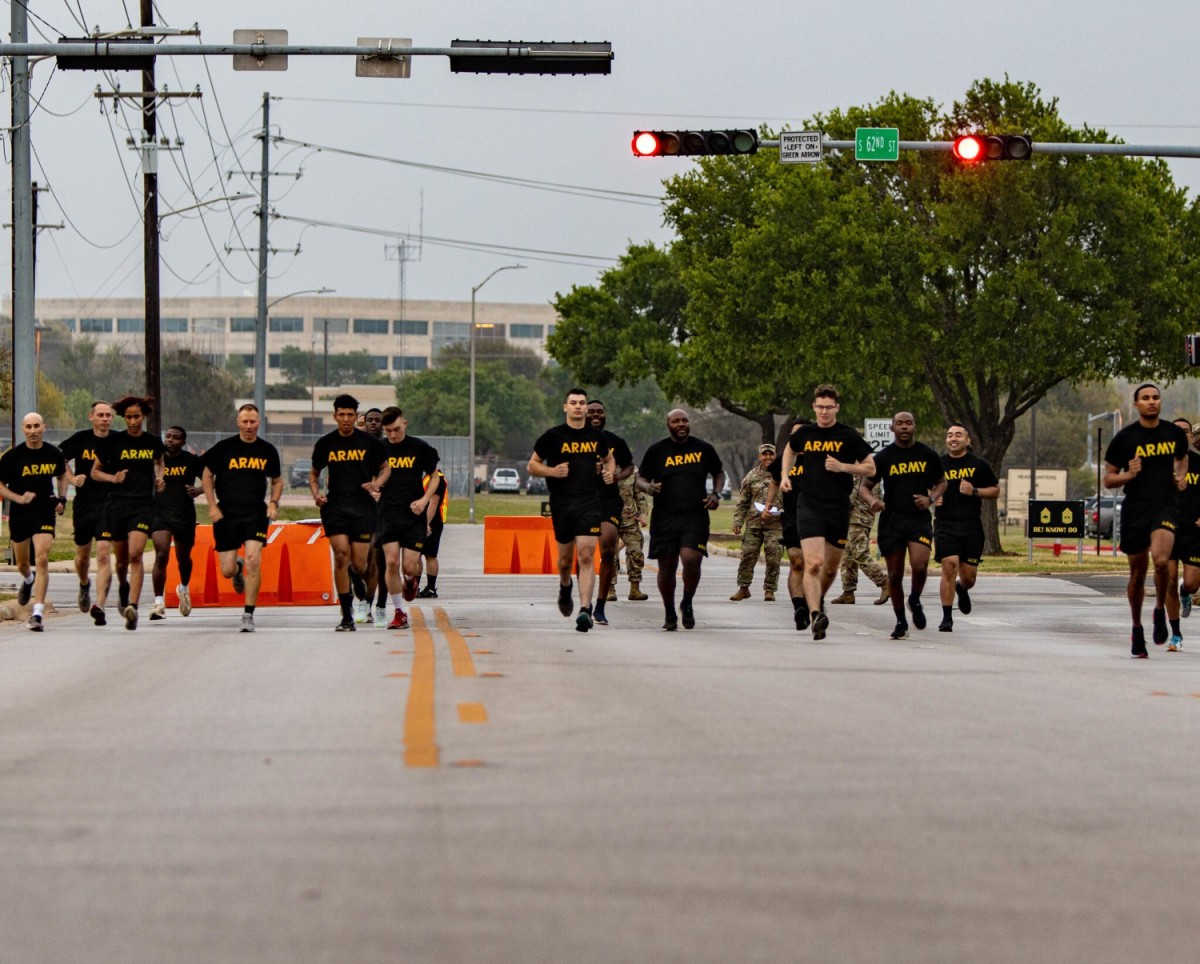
(471, 431)
(260, 348)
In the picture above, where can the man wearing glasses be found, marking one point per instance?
(831, 456)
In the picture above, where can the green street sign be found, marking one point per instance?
(877, 144)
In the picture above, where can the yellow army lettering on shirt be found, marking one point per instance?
(907, 468)
(174, 471)
(689, 458)
(1151, 449)
(348, 455)
(42, 468)
(797, 469)
(954, 475)
(579, 448)
(819, 445)
(1193, 478)
(134, 455)
(243, 462)
(402, 461)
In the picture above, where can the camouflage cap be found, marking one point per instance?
(766, 447)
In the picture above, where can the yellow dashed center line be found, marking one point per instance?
(460, 654)
(420, 725)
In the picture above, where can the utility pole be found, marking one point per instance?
(24, 396)
(153, 339)
(260, 328)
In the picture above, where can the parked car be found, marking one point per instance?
(1100, 519)
(298, 476)
(505, 480)
(536, 485)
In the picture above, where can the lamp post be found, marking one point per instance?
(471, 431)
(260, 349)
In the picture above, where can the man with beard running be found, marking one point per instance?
(238, 472)
(913, 480)
(832, 456)
(673, 473)
(87, 514)
(958, 531)
(1150, 459)
(404, 509)
(611, 506)
(175, 519)
(567, 457)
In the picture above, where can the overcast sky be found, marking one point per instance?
(1130, 68)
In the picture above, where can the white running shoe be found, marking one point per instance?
(158, 611)
(185, 600)
(247, 622)
(362, 610)
(381, 618)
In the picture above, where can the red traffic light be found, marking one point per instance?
(973, 148)
(689, 143)
(968, 149)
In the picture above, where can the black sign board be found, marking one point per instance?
(1058, 520)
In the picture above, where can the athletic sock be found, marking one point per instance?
(948, 612)
(29, 579)
(397, 600)
(345, 600)
(1175, 627)
(797, 602)
(39, 609)
(430, 582)
(160, 601)
(249, 609)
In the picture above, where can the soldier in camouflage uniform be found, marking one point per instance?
(633, 517)
(760, 534)
(858, 554)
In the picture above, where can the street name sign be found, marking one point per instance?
(877, 144)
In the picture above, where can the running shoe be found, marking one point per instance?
(583, 622)
(399, 620)
(131, 616)
(158, 611)
(1176, 644)
(1138, 643)
(598, 615)
(918, 612)
(381, 619)
(427, 593)
(1185, 602)
(97, 615)
(671, 623)
(964, 598)
(410, 588)
(900, 632)
(85, 596)
(185, 600)
(946, 626)
(345, 626)
(24, 592)
(686, 616)
(35, 624)
(239, 577)
(122, 595)
(247, 623)
(565, 603)
(801, 616)
(1160, 627)
(362, 611)
(820, 623)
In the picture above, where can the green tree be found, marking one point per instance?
(197, 394)
(302, 367)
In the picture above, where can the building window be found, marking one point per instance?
(334, 326)
(550, 331)
(243, 324)
(410, 328)
(131, 325)
(286, 324)
(370, 326)
(409, 363)
(247, 360)
(380, 362)
(93, 325)
(525, 331)
(173, 325)
(69, 323)
(209, 326)
(273, 360)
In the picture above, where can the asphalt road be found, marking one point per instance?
(494, 786)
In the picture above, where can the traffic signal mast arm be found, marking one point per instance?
(1037, 147)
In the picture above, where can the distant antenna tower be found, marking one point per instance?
(403, 252)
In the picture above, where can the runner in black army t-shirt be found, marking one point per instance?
(566, 456)
(958, 532)
(1148, 458)
(911, 473)
(132, 462)
(832, 455)
(175, 519)
(791, 541)
(237, 473)
(611, 507)
(357, 469)
(27, 479)
(674, 472)
(87, 513)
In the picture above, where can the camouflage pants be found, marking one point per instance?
(755, 540)
(858, 556)
(631, 535)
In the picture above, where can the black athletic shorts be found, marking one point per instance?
(571, 519)
(89, 520)
(404, 528)
(124, 516)
(358, 525)
(230, 535)
(1187, 545)
(181, 525)
(672, 531)
(433, 541)
(963, 540)
(1138, 523)
(25, 521)
(898, 529)
(611, 510)
(823, 522)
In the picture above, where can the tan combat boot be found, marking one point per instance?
(612, 593)
(742, 593)
(884, 595)
(768, 596)
(845, 599)
(635, 591)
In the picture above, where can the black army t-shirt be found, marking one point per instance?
(682, 469)
(1158, 448)
(82, 448)
(412, 461)
(582, 449)
(241, 472)
(351, 460)
(182, 470)
(136, 455)
(23, 470)
(812, 445)
(904, 473)
(955, 506)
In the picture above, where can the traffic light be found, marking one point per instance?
(975, 148)
(691, 143)
(575, 57)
